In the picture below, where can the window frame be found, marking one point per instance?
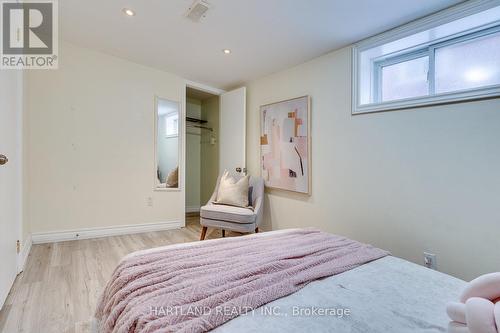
(380, 64)
(427, 51)
(422, 50)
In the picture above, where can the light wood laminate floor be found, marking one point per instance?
(61, 283)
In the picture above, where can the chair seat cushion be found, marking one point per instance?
(228, 213)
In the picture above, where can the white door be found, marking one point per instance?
(232, 129)
(10, 175)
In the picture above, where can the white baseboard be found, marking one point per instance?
(192, 209)
(23, 255)
(87, 233)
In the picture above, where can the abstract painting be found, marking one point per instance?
(285, 145)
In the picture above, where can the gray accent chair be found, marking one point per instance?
(232, 218)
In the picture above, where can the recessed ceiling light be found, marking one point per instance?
(226, 51)
(128, 11)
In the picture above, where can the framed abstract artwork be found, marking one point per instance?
(285, 145)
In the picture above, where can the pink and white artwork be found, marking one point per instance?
(285, 145)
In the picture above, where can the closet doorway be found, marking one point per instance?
(202, 147)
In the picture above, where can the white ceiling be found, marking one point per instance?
(265, 36)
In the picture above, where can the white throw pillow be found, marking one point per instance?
(233, 192)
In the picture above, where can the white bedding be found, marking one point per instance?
(384, 296)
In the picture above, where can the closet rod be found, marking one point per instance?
(195, 120)
(202, 127)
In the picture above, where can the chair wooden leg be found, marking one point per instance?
(203, 233)
(223, 233)
(257, 230)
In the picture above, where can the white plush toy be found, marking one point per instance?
(479, 308)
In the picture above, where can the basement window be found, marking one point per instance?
(448, 57)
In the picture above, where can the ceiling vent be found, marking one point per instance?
(198, 10)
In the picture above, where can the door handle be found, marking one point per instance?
(238, 169)
(3, 159)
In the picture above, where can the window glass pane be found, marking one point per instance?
(405, 80)
(172, 124)
(468, 65)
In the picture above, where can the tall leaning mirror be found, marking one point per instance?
(168, 143)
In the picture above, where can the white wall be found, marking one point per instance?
(407, 181)
(90, 141)
(193, 157)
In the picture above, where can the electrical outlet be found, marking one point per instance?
(149, 201)
(430, 260)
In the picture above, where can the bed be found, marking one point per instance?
(384, 295)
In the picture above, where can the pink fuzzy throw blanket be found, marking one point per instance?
(198, 287)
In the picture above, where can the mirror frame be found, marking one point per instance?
(157, 186)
